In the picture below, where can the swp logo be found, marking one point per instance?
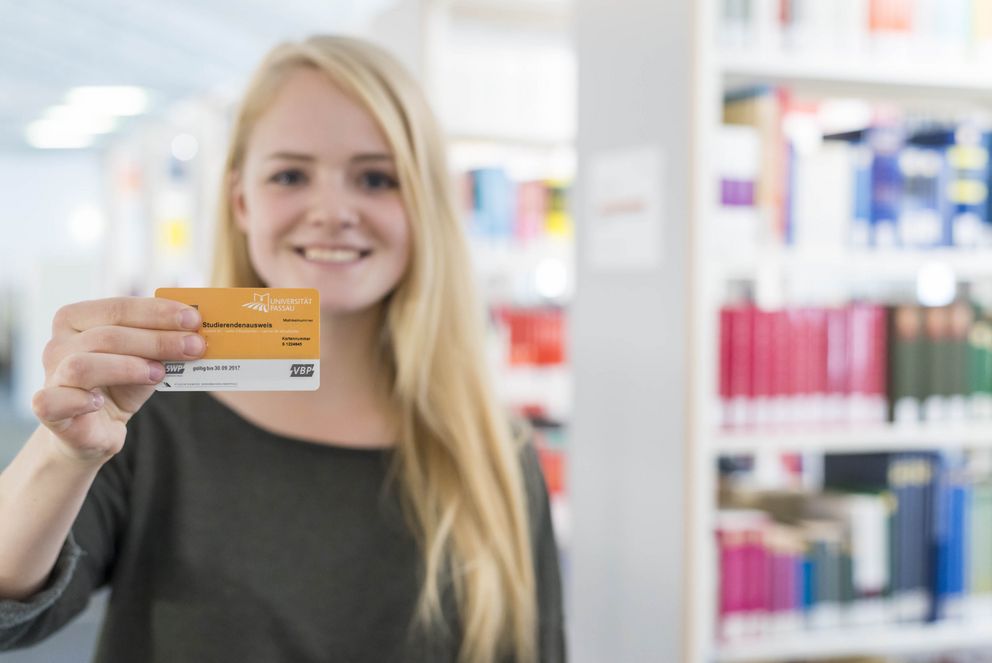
(259, 302)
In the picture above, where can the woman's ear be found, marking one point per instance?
(237, 202)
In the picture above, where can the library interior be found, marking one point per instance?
(733, 261)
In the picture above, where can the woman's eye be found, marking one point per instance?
(377, 180)
(288, 177)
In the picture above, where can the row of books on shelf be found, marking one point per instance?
(502, 210)
(959, 29)
(857, 364)
(955, 657)
(893, 538)
(791, 173)
(532, 336)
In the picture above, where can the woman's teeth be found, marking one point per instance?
(331, 255)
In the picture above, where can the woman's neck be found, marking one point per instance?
(350, 408)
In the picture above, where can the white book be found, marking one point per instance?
(766, 25)
(823, 198)
(851, 20)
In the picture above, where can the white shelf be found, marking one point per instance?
(862, 265)
(968, 79)
(889, 641)
(883, 437)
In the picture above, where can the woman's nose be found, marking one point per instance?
(331, 205)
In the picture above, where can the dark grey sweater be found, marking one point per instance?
(224, 542)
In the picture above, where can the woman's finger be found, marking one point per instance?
(56, 407)
(87, 370)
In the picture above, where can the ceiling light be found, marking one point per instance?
(118, 100)
(80, 120)
(44, 134)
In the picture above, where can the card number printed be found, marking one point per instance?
(258, 339)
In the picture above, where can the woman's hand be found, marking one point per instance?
(103, 362)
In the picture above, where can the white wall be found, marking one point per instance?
(42, 256)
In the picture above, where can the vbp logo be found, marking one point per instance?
(301, 370)
(259, 302)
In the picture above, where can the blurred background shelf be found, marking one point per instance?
(864, 74)
(860, 264)
(888, 437)
(890, 641)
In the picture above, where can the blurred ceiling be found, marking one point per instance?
(175, 49)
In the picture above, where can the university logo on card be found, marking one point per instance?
(260, 302)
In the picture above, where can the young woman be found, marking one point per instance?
(391, 515)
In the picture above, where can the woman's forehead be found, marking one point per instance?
(310, 113)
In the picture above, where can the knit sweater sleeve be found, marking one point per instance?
(84, 564)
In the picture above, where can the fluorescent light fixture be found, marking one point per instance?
(80, 120)
(120, 100)
(184, 147)
(44, 134)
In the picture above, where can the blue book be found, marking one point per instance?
(886, 185)
(968, 223)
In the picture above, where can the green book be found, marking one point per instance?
(907, 365)
(980, 369)
(939, 366)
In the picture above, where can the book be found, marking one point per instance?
(907, 364)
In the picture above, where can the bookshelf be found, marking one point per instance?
(902, 266)
(895, 641)
(967, 81)
(928, 82)
(883, 437)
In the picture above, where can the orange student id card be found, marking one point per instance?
(258, 339)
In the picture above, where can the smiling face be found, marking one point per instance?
(318, 197)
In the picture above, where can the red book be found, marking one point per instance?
(742, 364)
(797, 384)
(837, 364)
(736, 535)
(817, 365)
(868, 358)
(890, 16)
(757, 585)
(724, 368)
(780, 359)
(762, 370)
(877, 386)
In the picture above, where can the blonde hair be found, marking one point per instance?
(456, 460)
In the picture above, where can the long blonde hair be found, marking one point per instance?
(456, 460)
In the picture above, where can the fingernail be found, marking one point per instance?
(97, 400)
(193, 344)
(189, 319)
(156, 371)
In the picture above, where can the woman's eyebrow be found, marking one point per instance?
(293, 156)
(372, 156)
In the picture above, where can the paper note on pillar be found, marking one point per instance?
(258, 339)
